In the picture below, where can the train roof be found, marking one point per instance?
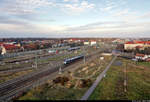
(74, 57)
(73, 48)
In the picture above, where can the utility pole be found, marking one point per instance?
(84, 55)
(36, 61)
(60, 70)
(125, 80)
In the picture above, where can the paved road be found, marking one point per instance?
(91, 89)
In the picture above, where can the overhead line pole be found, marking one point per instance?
(84, 54)
(36, 61)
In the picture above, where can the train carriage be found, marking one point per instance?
(73, 59)
(74, 48)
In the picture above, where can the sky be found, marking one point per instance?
(74, 18)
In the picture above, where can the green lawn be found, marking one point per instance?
(146, 64)
(112, 86)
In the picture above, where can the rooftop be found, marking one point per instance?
(138, 42)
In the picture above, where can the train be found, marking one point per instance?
(73, 48)
(73, 59)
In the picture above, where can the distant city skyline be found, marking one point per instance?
(74, 18)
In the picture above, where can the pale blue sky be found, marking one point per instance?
(74, 18)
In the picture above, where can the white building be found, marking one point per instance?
(142, 56)
(93, 43)
(136, 44)
(3, 50)
(86, 43)
(106, 54)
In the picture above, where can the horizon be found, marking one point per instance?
(74, 18)
(77, 37)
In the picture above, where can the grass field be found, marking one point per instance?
(146, 64)
(47, 92)
(112, 86)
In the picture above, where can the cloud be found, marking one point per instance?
(99, 29)
(116, 28)
(77, 8)
(34, 17)
(31, 28)
(31, 9)
(109, 5)
(119, 10)
(25, 7)
(71, 0)
(24, 12)
(7, 20)
(145, 15)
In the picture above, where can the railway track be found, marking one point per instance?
(29, 67)
(14, 69)
(27, 76)
(29, 57)
(7, 89)
(13, 86)
(13, 55)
